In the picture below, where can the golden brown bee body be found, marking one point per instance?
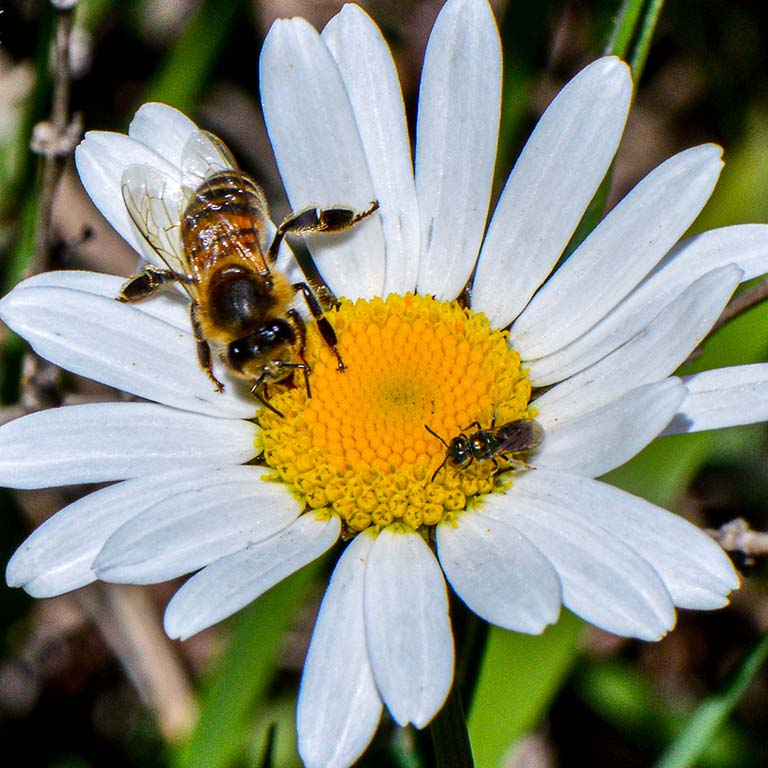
(505, 441)
(213, 234)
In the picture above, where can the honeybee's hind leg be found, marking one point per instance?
(203, 350)
(146, 282)
(325, 328)
(328, 220)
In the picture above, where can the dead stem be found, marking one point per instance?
(737, 537)
(125, 616)
(742, 303)
(55, 139)
(735, 307)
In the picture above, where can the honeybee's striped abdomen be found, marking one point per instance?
(226, 217)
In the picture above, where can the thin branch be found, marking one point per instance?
(125, 615)
(738, 538)
(735, 307)
(742, 303)
(128, 621)
(55, 139)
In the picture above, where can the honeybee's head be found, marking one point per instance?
(263, 354)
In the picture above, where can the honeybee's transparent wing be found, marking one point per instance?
(202, 156)
(205, 155)
(154, 202)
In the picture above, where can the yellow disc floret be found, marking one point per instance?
(359, 446)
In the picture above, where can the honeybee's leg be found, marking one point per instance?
(301, 333)
(315, 219)
(325, 328)
(203, 350)
(146, 282)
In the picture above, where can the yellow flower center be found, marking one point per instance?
(359, 446)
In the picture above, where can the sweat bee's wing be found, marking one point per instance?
(154, 203)
(520, 435)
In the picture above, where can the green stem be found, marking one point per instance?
(645, 35)
(187, 70)
(471, 644)
(450, 737)
(697, 736)
(624, 28)
(449, 732)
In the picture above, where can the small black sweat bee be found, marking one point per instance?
(514, 437)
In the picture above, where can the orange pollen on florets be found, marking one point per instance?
(359, 447)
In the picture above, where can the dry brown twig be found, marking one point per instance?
(55, 139)
(741, 303)
(737, 537)
(735, 307)
(125, 616)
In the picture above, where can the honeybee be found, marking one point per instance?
(514, 437)
(213, 233)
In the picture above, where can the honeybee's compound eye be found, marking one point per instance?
(265, 338)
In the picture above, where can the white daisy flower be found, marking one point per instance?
(587, 349)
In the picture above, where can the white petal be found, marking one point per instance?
(320, 153)
(621, 251)
(407, 627)
(695, 570)
(498, 573)
(163, 129)
(58, 556)
(555, 177)
(654, 353)
(114, 441)
(191, 529)
(726, 397)
(366, 66)
(234, 581)
(170, 307)
(745, 245)
(456, 136)
(101, 159)
(339, 707)
(594, 442)
(127, 346)
(603, 580)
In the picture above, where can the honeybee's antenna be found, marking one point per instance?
(256, 392)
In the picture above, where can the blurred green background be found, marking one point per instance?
(89, 680)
